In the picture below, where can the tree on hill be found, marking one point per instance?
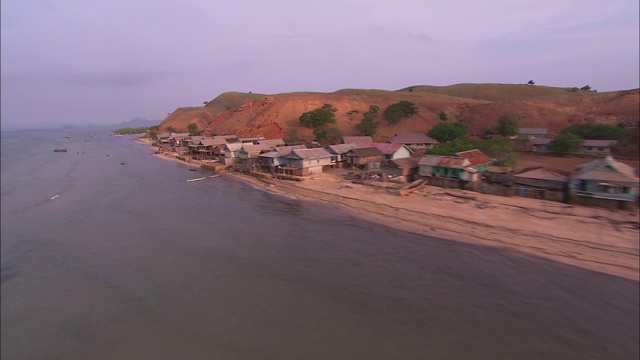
(329, 135)
(598, 132)
(293, 134)
(318, 117)
(448, 131)
(507, 124)
(586, 87)
(396, 112)
(193, 129)
(566, 143)
(368, 126)
(531, 82)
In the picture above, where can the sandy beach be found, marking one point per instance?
(602, 240)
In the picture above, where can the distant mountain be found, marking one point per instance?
(135, 122)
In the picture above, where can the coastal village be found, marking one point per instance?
(401, 165)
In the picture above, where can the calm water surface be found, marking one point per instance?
(132, 262)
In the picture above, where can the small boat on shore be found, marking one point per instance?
(60, 149)
(196, 179)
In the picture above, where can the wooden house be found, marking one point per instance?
(413, 140)
(163, 139)
(339, 153)
(307, 161)
(604, 182)
(364, 158)
(176, 139)
(408, 168)
(542, 182)
(252, 151)
(389, 151)
(277, 157)
(227, 153)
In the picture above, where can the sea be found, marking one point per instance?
(107, 252)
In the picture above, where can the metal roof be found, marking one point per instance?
(356, 139)
(608, 169)
(341, 148)
(543, 173)
(412, 138)
(309, 154)
(532, 131)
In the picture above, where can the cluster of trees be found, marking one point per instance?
(396, 112)
(571, 139)
(599, 131)
(132, 130)
(193, 129)
(453, 138)
(369, 124)
(320, 118)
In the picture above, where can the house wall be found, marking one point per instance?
(603, 203)
(401, 154)
(594, 150)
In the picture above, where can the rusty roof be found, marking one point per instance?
(475, 156)
(356, 139)
(385, 148)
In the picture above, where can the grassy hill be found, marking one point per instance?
(477, 105)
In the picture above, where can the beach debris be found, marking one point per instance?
(122, 163)
(196, 179)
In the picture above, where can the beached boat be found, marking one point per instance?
(196, 179)
(60, 149)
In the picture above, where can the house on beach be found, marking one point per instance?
(339, 153)
(389, 151)
(458, 170)
(368, 158)
(604, 182)
(304, 162)
(542, 182)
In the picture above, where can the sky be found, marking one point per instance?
(108, 61)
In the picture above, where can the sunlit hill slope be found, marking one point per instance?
(477, 105)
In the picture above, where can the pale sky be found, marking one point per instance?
(108, 61)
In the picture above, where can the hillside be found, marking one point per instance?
(477, 105)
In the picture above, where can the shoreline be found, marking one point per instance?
(497, 223)
(597, 239)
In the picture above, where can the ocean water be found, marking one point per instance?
(107, 252)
